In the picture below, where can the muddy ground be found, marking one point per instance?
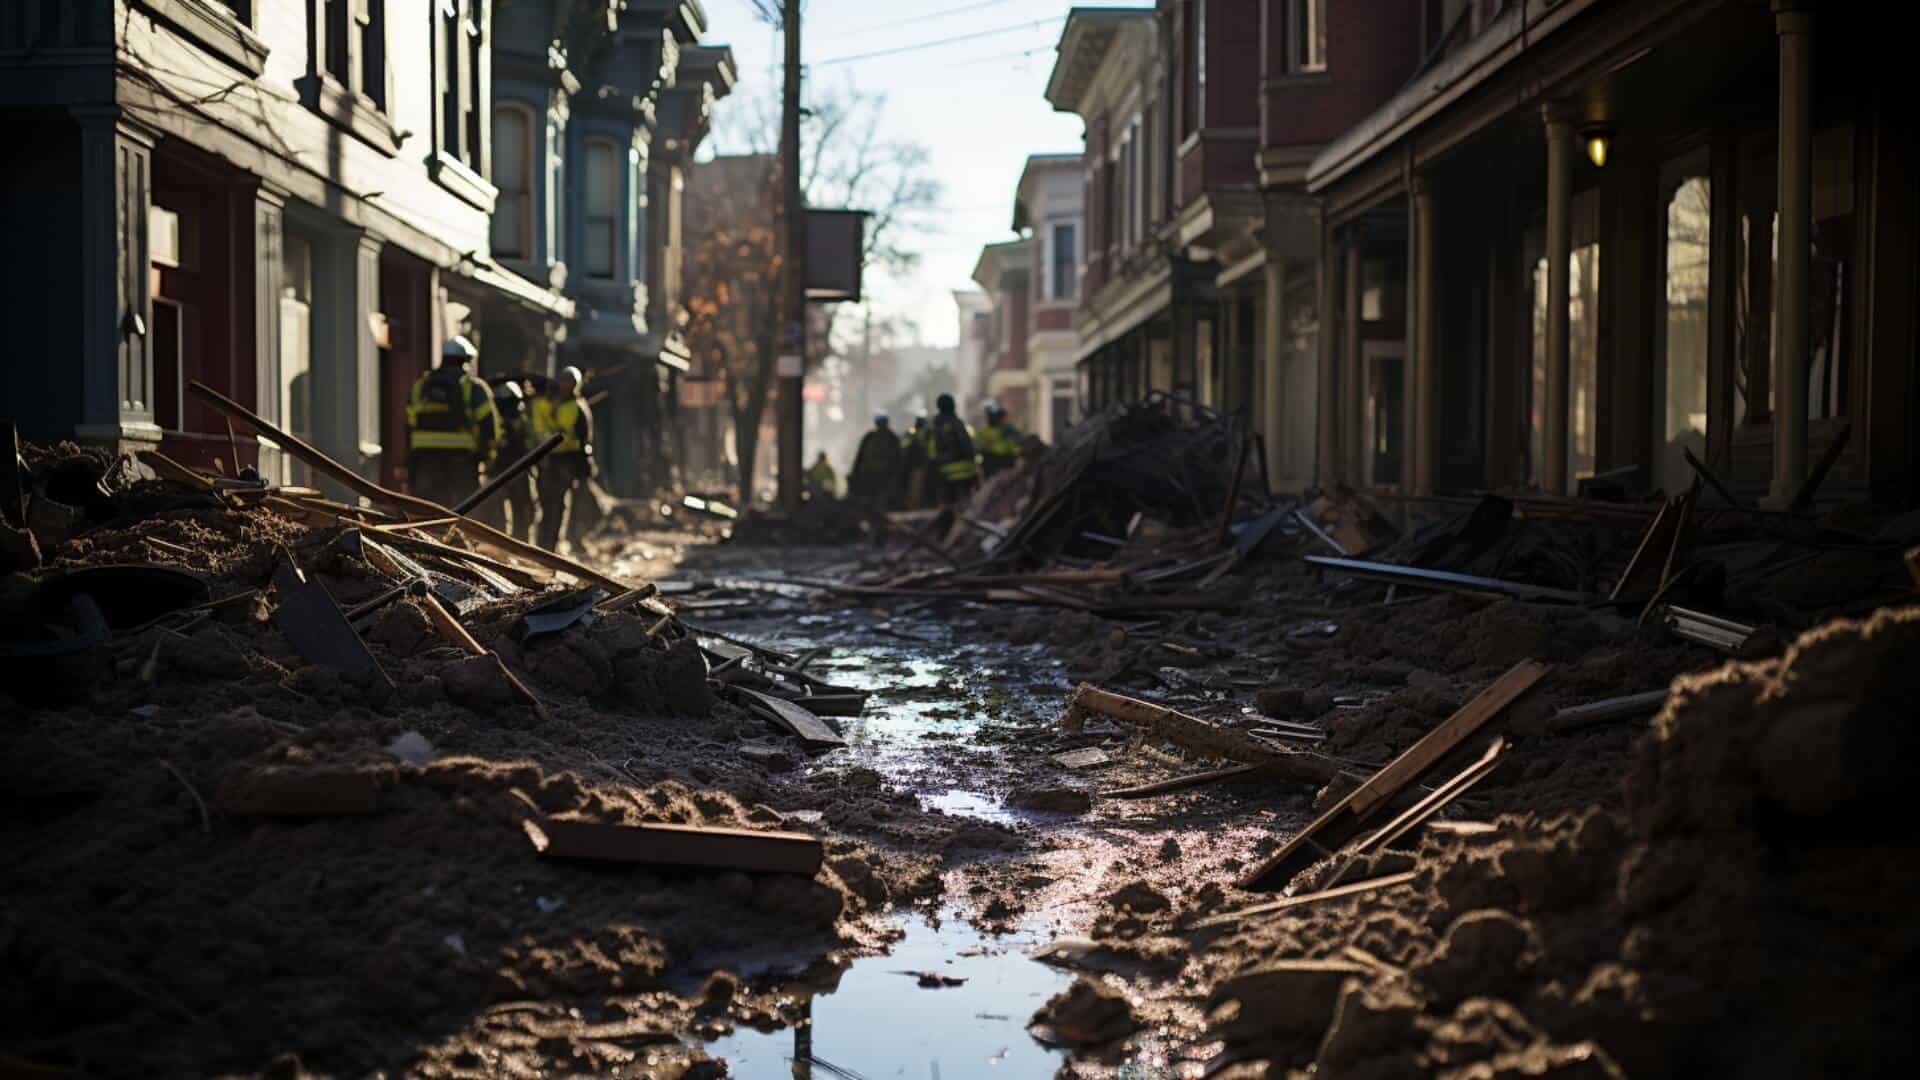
(1720, 890)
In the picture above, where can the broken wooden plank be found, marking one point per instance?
(1435, 801)
(1190, 780)
(172, 471)
(1343, 820)
(1445, 580)
(407, 505)
(1710, 630)
(1599, 712)
(813, 732)
(314, 625)
(1194, 734)
(288, 791)
(1350, 889)
(503, 477)
(1803, 499)
(13, 493)
(746, 850)
(1084, 758)
(1700, 469)
(450, 628)
(1650, 555)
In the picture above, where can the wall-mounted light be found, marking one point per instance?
(1599, 143)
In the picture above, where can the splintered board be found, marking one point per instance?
(812, 731)
(678, 845)
(316, 628)
(1333, 829)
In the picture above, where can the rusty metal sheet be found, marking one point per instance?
(314, 625)
(813, 732)
(678, 845)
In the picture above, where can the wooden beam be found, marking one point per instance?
(407, 505)
(1343, 821)
(678, 845)
(1196, 735)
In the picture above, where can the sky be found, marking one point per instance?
(967, 81)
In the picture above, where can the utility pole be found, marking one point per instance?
(793, 313)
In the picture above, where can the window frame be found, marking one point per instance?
(461, 140)
(522, 196)
(590, 215)
(1306, 34)
(360, 104)
(1055, 264)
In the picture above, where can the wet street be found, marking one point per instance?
(966, 724)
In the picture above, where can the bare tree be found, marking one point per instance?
(734, 262)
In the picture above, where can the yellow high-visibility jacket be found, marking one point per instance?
(567, 417)
(999, 443)
(451, 410)
(953, 450)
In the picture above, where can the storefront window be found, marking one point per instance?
(1684, 402)
(1583, 350)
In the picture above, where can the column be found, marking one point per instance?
(1793, 21)
(1423, 292)
(1560, 139)
(346, 362)
(1273, 400)
(1327, 437)
(264, 251)
(1354, 376)
(116, 167)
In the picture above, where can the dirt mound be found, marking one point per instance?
(1748, 912)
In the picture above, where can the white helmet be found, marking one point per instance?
(459, 350)
(570, 374)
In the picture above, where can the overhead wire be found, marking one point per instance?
(898, 49)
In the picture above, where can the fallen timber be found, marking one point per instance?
(1446, 581)
(1196, 735)
(1345, 820)
(406, 505)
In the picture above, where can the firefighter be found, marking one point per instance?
(916, 452)
(821, 481)
(954, 464)
(565, 474)
(999, 442)
(876, 465)
(516, 439)
(451, 427)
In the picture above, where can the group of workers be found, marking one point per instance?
(459, 429)
(938, 464)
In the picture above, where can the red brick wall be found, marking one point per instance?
(1019, 409)
(1371, 52)
(1233, 63)
(1053, 318)
(1014, 357)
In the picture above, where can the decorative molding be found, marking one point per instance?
(357, 114)
(214, 29)
(454, 175)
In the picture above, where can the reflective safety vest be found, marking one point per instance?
(562, 417)
(822, 478)
(999, 441)
(952, 446)
(450, 410)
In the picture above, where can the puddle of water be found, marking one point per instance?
(879, 1023)
(967, 804)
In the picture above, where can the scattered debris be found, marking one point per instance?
(678, 845)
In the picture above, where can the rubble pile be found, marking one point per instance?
(259, 738)
(1742, 907)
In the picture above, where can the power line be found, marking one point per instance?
(1022, 54)
(929, 17)
(937, 44)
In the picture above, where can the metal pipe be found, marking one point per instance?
(494, 483)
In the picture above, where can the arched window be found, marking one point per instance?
(513, 127)
(603, 208)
